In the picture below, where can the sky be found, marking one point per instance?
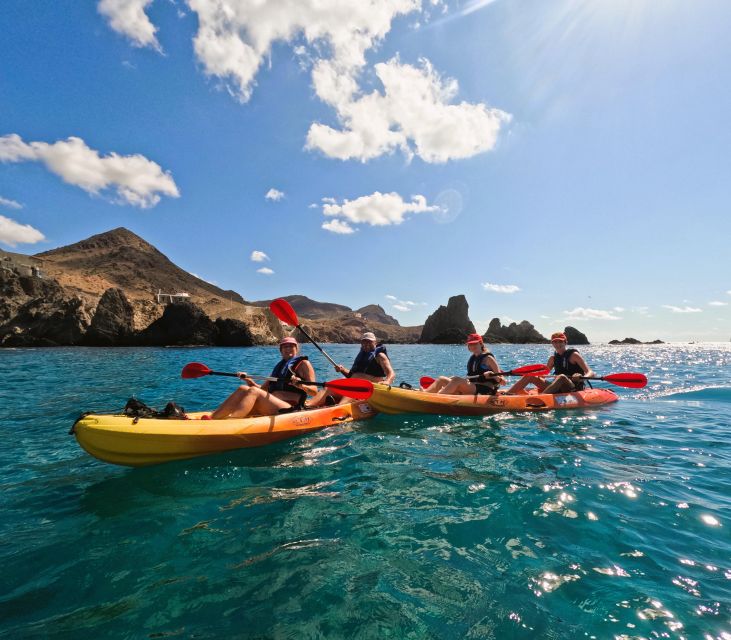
(564, 162)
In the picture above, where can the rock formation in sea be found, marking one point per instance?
(574, 336)
(448, 325)
(514, 333)
(113, 323)
(634, 341)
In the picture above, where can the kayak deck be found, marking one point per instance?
(396, 400)
(118, 439)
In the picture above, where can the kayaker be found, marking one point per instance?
(371, 363)
(294, 372)
(568, 365)
(482, 363)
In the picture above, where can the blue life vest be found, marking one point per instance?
(367, 362)
(563, 365)
(283, 370)
(477, 365)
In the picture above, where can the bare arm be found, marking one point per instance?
(386, 366)
(305, 373)
(577, 359)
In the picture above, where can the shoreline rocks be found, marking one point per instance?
(574, 336)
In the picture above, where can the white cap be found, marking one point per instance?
(368, 335)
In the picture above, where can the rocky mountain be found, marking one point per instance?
(309, 308)
(450, 324)
(376, 313)
(514, 333)
(120, 258)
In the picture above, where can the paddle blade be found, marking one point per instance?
(530, 370)
(195, 370)
(284, 311)
(426, 381)
(629, 380)
(351, 388)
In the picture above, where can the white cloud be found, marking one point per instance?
(313, 205)
(338, 226)
(13, 233)
(136, 180)
(10, 204)
(582, 313)
(265, 271)
(729, 292)
(545, 317)
(675, 309)
(235, 37)
(414, 114)
(128, 18)
(274, 194)
(717, 303)
(500, 288)
(403, 305)
(619, 309)
(258, 256)
(378, 209)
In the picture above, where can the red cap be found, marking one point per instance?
(474, 338)
(288, 340)
(559, 336)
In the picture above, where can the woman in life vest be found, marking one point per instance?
(480, 379)
(371, 363)
(568, 365)
(293, 372)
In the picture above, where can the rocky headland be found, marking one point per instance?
(116, 289)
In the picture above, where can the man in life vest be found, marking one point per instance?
(568, 365)
(371, 363)
(480, 369)
(293, 372)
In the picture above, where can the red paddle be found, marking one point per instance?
(284, 311)
(350, 387)
(629, 380)
(526, 370)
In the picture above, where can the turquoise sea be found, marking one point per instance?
(608, 523)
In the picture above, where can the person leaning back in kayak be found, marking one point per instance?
(371, 363)
(568, 365)
(293, 372)
(480, 369)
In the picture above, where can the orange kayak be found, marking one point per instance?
(120, 440)
(396, 400)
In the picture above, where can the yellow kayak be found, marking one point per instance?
(120, 440)
(396, 400)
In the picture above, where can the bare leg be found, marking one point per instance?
(243, 401)
(438, 384)
(460, 387)
(562, 384)
(519, 387)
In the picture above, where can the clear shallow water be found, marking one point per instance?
(607, 523)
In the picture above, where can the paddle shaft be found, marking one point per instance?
(319, 348)
(264, 378)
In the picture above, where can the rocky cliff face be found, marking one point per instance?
(448, 325)
(574, 336)
(36, 312)
(514, 333)
(113, 322)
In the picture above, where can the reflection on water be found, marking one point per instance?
(605, 523)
